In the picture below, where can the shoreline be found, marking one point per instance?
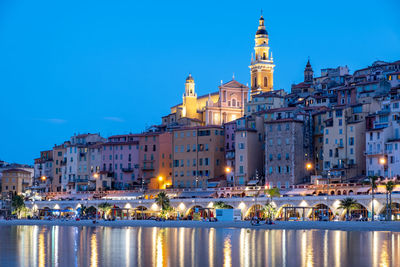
(280, 225)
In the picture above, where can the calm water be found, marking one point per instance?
(102, 246)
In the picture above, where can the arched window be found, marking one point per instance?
(264, 56)
(234, 102)
(255, 82)
(265, 82)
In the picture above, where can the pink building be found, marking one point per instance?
(229, 130)
(120, 157)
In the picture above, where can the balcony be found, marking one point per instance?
(148, 168)
(127, 169)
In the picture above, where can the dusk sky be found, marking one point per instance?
(116, 67)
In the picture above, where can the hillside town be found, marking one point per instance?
(327, 135)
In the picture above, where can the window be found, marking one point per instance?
(241, 145)
(265, 80)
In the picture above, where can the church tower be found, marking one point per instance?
(308, 73)
(262, 65)
(189, 103)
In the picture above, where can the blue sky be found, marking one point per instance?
(117, 66)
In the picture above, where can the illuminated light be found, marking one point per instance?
(309, 166)
(96, 175)
(228, 170)
(128, 206)
(56, 207)
(93, 251)
(242, 205)
(210, 205)
(181, 207)
(382, 161)
(160, 178)
(42, 251)
(303, 203)
(154, 207)
(78, 206)
(227, 251)
(43, 178)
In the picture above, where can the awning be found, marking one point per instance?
(204, 194)
(252, 182)
(299, 192)
(124, 195)
(363, 189)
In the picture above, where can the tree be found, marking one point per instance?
(83, 210)
(162, 200)
(372, 181)
(273, 192)
(348, 204)
(105, 207)
(269, 210)
(221, 205)
(389, 189)
(18, 205)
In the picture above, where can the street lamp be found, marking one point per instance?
(160, 178)
(228, 170)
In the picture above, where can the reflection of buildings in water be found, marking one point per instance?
(307, 252)
(93, 250)
(41, 249)
(227, 251)
(55, 231)
(245, 249)
(211, 247)
(160, 250)
(384, 248)
(182, 246)
(193, 251)
(283, 248)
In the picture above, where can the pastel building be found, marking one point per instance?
(215, 108)
(120, 158)
(198, 156)
(43, 171)
(59, 154)
(249, 150)
(78, 171)
(230, 148)
(15, 181)
(155, 159)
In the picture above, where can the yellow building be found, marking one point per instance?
(225, 105)
(262, 65)
(15, 181)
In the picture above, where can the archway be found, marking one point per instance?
(290, 213)
(344, 192)
(141, 213)
(67, 212)
(91, 212)
(254, 211)
(359, 212)
(321, 212)
(197, 212)
(338, 193)
(395, 211)
(351, 192)
(332, 193)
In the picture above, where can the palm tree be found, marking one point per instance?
(273, 192)
(162, 200)
(18, 205)
(221, 205)
(105, 207)
(389, 188)
(348, 204)
(269, 210)
(372, 180)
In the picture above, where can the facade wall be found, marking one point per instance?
(198, 155)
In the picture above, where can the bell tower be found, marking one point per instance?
(262, 65)
(189, 102)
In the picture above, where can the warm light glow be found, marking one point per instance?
(93, 251)
(160, 178)
(210, 205)
(227, 170)
(382, 161)
(242, 205)
(154, 206)
(309, 166)
(96, 175)
(43, 178)
(182, 207)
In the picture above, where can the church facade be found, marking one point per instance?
(227, 104)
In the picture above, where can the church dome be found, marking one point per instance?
(261, 28)
(189, 78)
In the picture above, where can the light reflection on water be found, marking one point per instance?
(102, 246)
